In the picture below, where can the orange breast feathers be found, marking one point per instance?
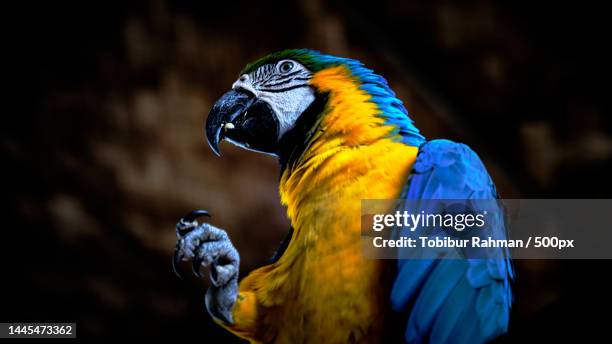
(322, 289)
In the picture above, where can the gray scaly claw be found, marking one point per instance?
(209, 247)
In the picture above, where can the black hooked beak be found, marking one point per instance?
(243, 120)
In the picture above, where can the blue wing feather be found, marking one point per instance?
(453, 300)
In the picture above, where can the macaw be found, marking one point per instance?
(341, 136)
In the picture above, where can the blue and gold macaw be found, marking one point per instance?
(341, 136)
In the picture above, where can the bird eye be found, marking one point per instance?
(285, 66)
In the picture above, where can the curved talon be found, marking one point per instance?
(192, 216)
(188, 222)
(176, 259)
(195, 265)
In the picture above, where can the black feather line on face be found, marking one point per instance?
(297, 140)
(289, 75)
(277, 90)
(279, 82)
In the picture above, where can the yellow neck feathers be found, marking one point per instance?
(352, 156)
(322, 289)
(352, 147)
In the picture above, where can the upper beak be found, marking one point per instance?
(223, 114)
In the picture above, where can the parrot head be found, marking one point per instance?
(274, 101)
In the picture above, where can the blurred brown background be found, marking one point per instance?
(104, 148)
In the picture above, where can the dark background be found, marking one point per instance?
(103, 149)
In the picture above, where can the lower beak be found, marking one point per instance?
(223, 115)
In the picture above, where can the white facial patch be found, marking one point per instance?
(288, 105)
(284, 87)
